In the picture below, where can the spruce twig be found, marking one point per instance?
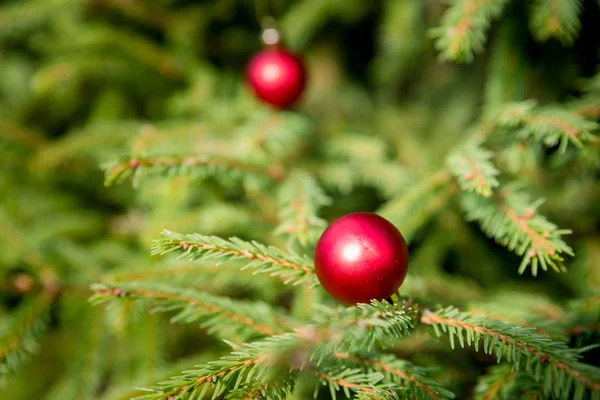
(513, 221)
(491, 384)
(19, 338)
(414, 379)
(464, 26)
(550, 125)
(556, 18)
(378, 322)
(549, 361)
(300, 198)
(218, 314)
(294, 268)
(474, 170)
(193, 165)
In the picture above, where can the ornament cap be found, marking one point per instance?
(271, 37)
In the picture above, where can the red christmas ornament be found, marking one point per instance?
(360, 257)
(276, 76)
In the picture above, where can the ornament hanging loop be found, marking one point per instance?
(270, 35)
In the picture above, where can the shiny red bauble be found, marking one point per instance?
(276, 76)
(360, 257)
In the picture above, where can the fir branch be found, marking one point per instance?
(379, 323)
(513, 221)
(474, 170)
(20, 18)
(219, 315)
(583, 317)
(103, 39)
(355, 380)
(507, 68)
(88, 361)
(209, 278)
(550, 361)
(556, 18)
(196, 166)
(414, 379)
(586, 107)
(550, 125)
(446, 287)
(356, 147)
(142, 12)
(399, 207)
(300, 199)
(13, 234)
(20, 135)
(294, 268)
(280, 135)
(523, 309)
(388, 177)
(75, 69)
(525, 387)
(19, 338)
(490, 385)
(248, 364)
(274, 390)
(464, 28)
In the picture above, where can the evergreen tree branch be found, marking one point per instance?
(73, 70)
(508, 67)
(513, 221)
(196, 166)
(388, 177)
(87, 362)
(208, 278)
(583, 317)
(464, 28)
(362, 327)
(553, 362)
(586, 107)
(220, 315)
(447, 287)
(19, 338)
(241, 367)
(294, 268)
(273, 390)
(278, 135)
(399, 207)
(146, 13)
(417, 385)
(13, 234)
(101, 39)
(365, 325)
(474, 170)
(550, 125)
(300, 198)
(20, 135)
(556, 18)
(490, 385)
(354, 380)
(19, 19)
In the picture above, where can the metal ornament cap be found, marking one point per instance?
(361, 256)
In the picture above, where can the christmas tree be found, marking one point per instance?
(164, 199)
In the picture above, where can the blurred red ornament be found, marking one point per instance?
(360, 257)
(276, 76)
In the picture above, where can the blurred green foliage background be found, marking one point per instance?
(86, 82)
